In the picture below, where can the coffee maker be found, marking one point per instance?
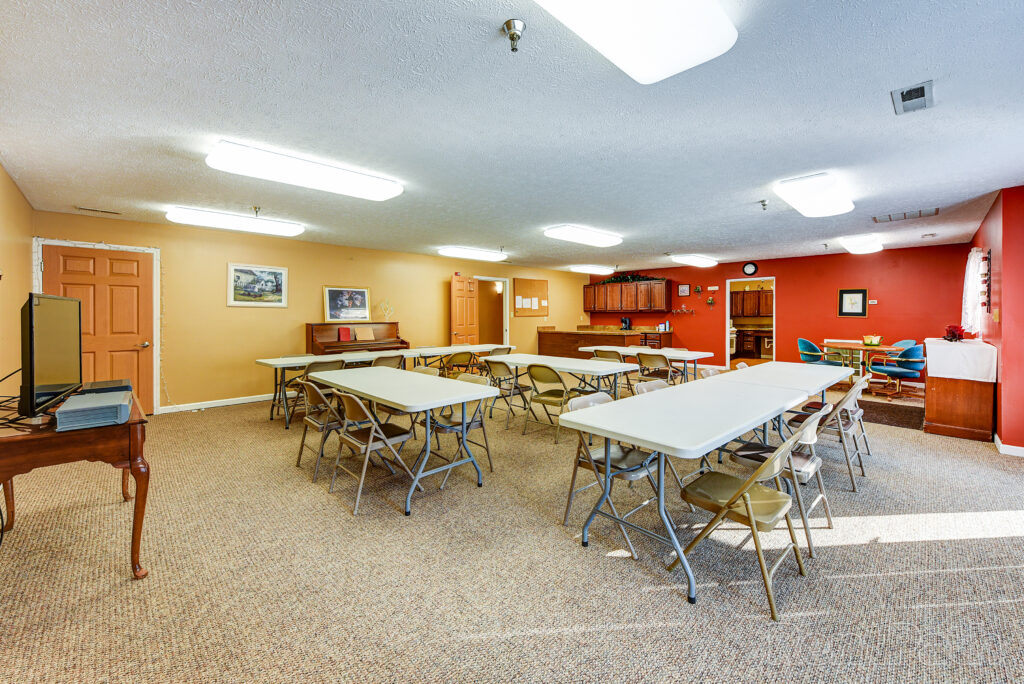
(627, 324)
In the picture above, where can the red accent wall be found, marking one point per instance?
(919, 293)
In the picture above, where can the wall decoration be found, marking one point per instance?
(530, 297)
(346, 304)
(853, 303)
(250, 285)
(749, 268)
(386, 309)
(684, 290)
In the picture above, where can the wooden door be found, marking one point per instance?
(614, 296)
(643, 296)
(116, 291)
(750, 303)
(600, 298)
(735, 304)
(465, 318)
(588, 297)
(629, 296)
(659, 295)
(766, 303)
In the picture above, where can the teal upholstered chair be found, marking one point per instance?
(906, 365)
(906, 344)
(811, 353)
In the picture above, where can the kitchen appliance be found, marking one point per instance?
(627, 323)
(732, 338)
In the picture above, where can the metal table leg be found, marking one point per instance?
(691, 595)
(421, 470)
(276, 396)
(605, 492)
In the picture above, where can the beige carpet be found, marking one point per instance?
(257, 574)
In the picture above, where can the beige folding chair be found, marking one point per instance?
(653, 386)
(801, 468)
(396, 361)
(612, 355)
(365, 441)
(457, 363)
(742, 364)
(390, 412)
(474, 421)
(556, 394)
(709, 372)
(507, 382)
(321, 416)
(627, 463)
(750, 503)
(657, 367)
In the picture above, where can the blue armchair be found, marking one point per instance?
(906, 365)
(906, 344)
(811, 353)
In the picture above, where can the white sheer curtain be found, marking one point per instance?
(970, 317)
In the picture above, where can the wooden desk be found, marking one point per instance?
(26, 447)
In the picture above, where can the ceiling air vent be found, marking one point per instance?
(99, 211)
(912, 98)
(904, 215)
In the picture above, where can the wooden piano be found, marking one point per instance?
(335, 338)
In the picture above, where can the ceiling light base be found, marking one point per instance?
(513, 28)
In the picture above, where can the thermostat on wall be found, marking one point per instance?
(712, 287)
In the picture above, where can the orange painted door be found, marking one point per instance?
(465, 318)
(116, 291)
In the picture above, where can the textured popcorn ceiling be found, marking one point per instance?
(113, 105)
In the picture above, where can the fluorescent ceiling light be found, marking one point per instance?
(694, 260)
(219, 219)
(306, 173)
(583, 235)
(820, 194)
(472, 253)
(861, 244)
(650, 40)
(592, 269)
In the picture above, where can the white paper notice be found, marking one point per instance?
(519, 301)
(536, 303)
(543, 302)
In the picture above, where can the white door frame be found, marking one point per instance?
(37, 286)
(504, 303)
(728, 313)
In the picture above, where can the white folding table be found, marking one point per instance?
(669, 353)
(683, 421)
(427, 353)
(413, 393)
(807, 377)
(577, 368)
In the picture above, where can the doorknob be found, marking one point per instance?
(143, 345)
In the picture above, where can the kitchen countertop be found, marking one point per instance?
(601, 332)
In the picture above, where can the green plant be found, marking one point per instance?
(628, 278)
(697, 289)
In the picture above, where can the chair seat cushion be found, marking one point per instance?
(824, 362)
(553, 397)
(660, 373)
(393, 433)
(856, 413)
(895, 371)
(712, 490)
(624, 458)
(454, 421)
(798, 420)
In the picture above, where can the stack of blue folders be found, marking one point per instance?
(82, 411)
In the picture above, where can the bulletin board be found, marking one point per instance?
(531, 297)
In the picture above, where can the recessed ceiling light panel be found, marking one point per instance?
(472, 253)
(820, 194)
(285, 168)
(649, 40)
(862, 244)
(698, 260)
(584, 235)
(220, 219)
(593, 269)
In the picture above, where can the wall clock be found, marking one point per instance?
(749, 268)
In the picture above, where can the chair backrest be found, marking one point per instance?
(500, 351)
(498, 369)
(651, 386)
(709, 372)
(318, 366)
(427, 370)
(396, 361)
(317, 405)
(458, 359)
(608, 354)
(803, 346)
(652, 360)
(355, 409)
(471, 406)
(808, 434)
(777, 462)
(911, 358)
(848, 401)
(742, 364)
(546, 375)
(588, 400)
(905, 344)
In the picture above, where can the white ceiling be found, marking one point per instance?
(113, 105)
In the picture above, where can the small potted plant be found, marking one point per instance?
(954, 333)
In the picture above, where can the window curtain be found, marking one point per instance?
(970, 317)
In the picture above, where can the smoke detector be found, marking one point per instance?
(912, 98)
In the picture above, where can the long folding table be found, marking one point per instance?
(683, 355)
(413, 393)
(430, 355)
(806, 377)
(580, 369)
(684, 421)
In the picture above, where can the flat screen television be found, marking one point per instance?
(51, 351)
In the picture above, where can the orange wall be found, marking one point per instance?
(15, 248)
(207, 348)
(491, 314)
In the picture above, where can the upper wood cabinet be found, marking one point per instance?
(766, 303)
(749, 303)
(644, 295)
(735, 303)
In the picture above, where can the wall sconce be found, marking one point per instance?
(499, 286)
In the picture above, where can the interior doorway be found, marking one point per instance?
(494, 310)
(750, 321)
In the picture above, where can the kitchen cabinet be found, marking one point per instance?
(659, 296)
(766, 302)
(645, 295)
(750, 303)
(614, 296)
(629, 297)
(588, 297)
(601, 298)
(735, 304)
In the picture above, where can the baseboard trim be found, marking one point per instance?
(1008, 449)
(199, 405)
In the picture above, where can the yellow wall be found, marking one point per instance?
(208, 348)
(15, 262)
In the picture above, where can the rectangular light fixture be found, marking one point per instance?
(819, 194)
(593, 269)
(472, 253)
(650, 40)
(861, 244)
(285, 168)
(220, 219)
(583, 235)
(698, 260)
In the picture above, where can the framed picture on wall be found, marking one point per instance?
(853, 303)
(250, 285)
(683, 290)
(346, 304)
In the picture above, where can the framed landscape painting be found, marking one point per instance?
(853, 303)
(250, 285)
(346, 304)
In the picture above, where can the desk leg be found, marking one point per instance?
(427, 419)
(604, 494)
(127, 495)
(275, 395)
(284, 400)
(9, 503)
(140, 471)
(691, 581)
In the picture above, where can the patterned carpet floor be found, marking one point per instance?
(259, 574)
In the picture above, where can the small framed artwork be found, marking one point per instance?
(853, 303)
(250, 285)
(683, 290)
(346, 304)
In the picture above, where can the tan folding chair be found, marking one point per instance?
(396, 361)
(457, 363)
(750, 503)
(474, 421)
(556, 394)
(507, 382)
(709, 372)
(612, 355)
(654, 386)
(321, 416)
(657, 367)
(390, 412)
(651, 386)
(373, 438)
(627, 463)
